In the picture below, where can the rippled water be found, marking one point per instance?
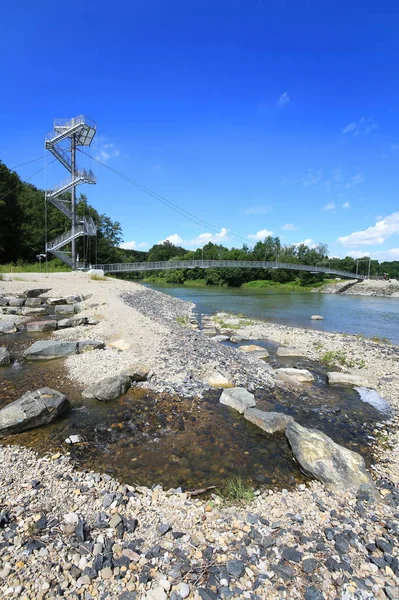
(348, 314)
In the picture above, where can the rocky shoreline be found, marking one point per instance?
(73, 534)
(368, 287)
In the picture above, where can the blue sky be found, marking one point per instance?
(254, 115)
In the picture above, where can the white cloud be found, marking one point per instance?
(388, 254)
(394, 147)
(364, 126)
(199, 241)
(133, 245)
(346, 205)
(289, 227)
(329, 206)
(283, 100)
(258, 209)
(334, 181)
(375, 235)
(308, 242)
(260, 235)
(106, 151)
(312, 178)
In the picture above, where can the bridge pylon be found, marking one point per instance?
(79, 131)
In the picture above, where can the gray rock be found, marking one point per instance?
(32, 410)
(163, 528)
(4, 356)
(7, 326)
(220, 338)
(270, 422)
(295, 375)
(89, 345)
(3, 301)
(312, 593)
(34, 301)
(49, 349)
(50, 325)
(235, 568)
(336, 378)
(327, 461)
(30, 311)
(317, 318)
(108, 389)
(65, 323)
(64, 309)
(292, 555)
(137, 372)
(16, 301)
(289, 352)
(238, 398)
(206, 594)
(309, 565)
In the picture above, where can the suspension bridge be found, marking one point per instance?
(68, 136)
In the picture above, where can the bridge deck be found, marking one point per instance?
(229, 264)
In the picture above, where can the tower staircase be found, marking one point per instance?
(75, 132)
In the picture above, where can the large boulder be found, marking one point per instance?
(108, 389)
(336, 378)
(34, 301)
(269, 422)
(64, 323)
(28, 311)
(238, 398)
(49, 349)
(41, 325)
(287, 352)
(295, 375)
(327, 461)
(4, 356)
(32, 410)
(16, 301)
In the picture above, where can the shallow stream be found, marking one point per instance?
(146, 438)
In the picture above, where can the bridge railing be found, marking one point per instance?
(208, 264)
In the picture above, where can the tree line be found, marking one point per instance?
(22, 239)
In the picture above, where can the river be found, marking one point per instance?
(366, 315)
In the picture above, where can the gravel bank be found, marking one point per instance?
(67, 534)
(368, 287)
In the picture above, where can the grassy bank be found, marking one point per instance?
(290, 286)
(53, 266)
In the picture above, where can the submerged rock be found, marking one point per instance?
(4, 356)
(317, 318)
(282, 351)
(49, 349)
(327, 461)
(295, 375)
(108, 389)
(8, 326)
(32, 410)
(337, 378)
(238, 398)
(270, 422)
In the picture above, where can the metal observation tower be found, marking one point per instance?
(68, 134)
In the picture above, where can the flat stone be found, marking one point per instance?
(106, 573)
(56, 301)
(294, 352)
(219, 381)
(269, 422)
(317, 318)
(137, 372)
(32, 410)
(355, 379)
(16, 301)
(64, 309)
(116, 519)
(65, 323)
(89, 345)
(292, 555)
(254, 350)
(220, 338)
(295, 375)
(206, 594)
(309, 565)
(34, 301)
(108, 389)
(4, 356)
(32, 311)
(238, 398)
(41, 325)
(49, 349)
(327, 461)
(312, 593)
